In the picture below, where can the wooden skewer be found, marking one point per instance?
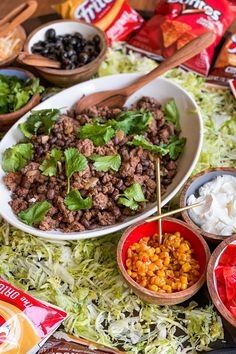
(158, 186)
(158, 217)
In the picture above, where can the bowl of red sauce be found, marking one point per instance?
(168, 273)
(221, 279)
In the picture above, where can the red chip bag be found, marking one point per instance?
(115, 17)
(179, 21)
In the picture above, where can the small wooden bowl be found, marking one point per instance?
(169, 225)
(20, 33)
(211, 280)
(191, 187)
(6, 120)
(62, 77)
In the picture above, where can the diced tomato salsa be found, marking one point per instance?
(225, 274)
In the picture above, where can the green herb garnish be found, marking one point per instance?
(100, 134)
(132, 196)
(50, 165)
(75, 202)
(133, 122)
(15, 92)
(74, 162)
(40, 121)
(176, 147)
(105, 163)
(15, 158)
(35, 213)
(172, 114)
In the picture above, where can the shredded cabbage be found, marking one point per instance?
(82, 277)
(218, 107)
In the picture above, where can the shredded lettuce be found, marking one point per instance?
(83, 278)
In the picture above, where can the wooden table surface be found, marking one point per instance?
(45, 7)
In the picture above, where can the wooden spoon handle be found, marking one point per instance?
(37, 60)
(18, 16)
(185, 53)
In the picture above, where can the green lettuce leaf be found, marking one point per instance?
(40, 121)
(100, 134)
(132, 196)
(74, 162)
(172, 114)
(75, 202)
(105, 163)
(49, 166)
(15, 158)
(35, 213)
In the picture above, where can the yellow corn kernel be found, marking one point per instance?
(153, 288)
(128, 262)
(183, 279)
(184, 286)
(161, 273)
(158, 250)
(167, 288)
(167, 261)
(186, 267)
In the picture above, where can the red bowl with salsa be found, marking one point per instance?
(221, 279)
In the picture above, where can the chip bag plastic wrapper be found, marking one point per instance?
(177, 22)
(224, 68)
(115, 17)
(62, 343)
(25, 322)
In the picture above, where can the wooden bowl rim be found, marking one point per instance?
(22, 110)
(211, 281)
(209, 236)
(82, 69)
(167, 296)
(12, 57)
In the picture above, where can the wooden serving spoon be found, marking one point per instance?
(37, 60)
(117, 98)
(17, 16)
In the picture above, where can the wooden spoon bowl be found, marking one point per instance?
(169, 225)
(211, 281)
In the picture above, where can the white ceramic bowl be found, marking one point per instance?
(161, 89)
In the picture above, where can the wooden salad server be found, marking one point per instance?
(37, 60)
(17, 16)
(117, 98)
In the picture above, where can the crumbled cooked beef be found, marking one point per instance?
(137, 165)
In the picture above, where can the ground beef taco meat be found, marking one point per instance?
(104, 191)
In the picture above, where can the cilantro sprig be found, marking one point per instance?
(171, 114)
(15, 158)
(50, 165)
(75, 202)
(35, 213)
(105, 163)
(74, 162)
(132, 196)
(100, 134)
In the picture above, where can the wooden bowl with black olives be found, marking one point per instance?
(78, 46)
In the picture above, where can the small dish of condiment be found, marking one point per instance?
(215, 189)
(11, 44)
(167, 273)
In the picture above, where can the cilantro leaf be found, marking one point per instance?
(35, 213)
(176, 147)
(15, 92)
(104, 163)
(132, 196)
(139, 140)
(75, 202)
(49, 166)
(172, 114)
(100, 134)
(40, 121)
(15, 158)
(133, 122)
(74, 162)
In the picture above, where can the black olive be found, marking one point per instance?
(78, 35)
(37, 48)
(96, 39)
(50, 33)
(73, 58)
(83, 58)
(83, 42)
(45, 51)
(74, 41)
(71, 52)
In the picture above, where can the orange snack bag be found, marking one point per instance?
(115, 17)
(25, 323)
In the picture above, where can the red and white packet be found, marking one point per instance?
(25, 322)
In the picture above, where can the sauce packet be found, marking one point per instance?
(115, 17)
(62, 343)
(25, 322)
(177, 22)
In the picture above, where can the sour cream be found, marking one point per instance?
(217, 213)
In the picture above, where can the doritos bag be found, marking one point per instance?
(25, 323)
(115, 17)
(179, 21)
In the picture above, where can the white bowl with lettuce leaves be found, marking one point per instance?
(161, 89)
